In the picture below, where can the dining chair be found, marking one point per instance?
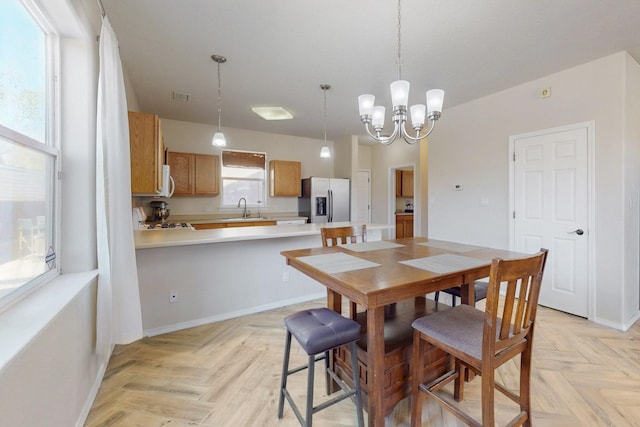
(333, 236)
(483, 341)
(479, 292)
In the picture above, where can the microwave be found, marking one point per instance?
(168, 184)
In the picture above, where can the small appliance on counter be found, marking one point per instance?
(159, 211)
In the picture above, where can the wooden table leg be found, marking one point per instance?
(334, 301)
(375, 365)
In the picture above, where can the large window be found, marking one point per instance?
(28, 158)
(243, 176)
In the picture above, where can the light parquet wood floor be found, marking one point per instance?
(228, 374)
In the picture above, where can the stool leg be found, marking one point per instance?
(285, 369)
(312, 360)
(356, 383)
(326, 370)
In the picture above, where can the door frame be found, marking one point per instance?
(591, 234)
(392, 196)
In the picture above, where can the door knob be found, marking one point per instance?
(579, 232)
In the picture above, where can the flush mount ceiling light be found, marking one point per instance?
(373, 115)
(325, 153)
(272, 113)
(218, 138)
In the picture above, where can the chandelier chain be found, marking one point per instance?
(399, 42)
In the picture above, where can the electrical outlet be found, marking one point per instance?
(285, 276)
(173, 297)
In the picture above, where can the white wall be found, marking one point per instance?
(196, 138)
(470, 147)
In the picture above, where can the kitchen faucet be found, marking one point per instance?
(244, 212)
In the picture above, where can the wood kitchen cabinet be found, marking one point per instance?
(284, 178)
(247, 223)
(194, 174)
(404, 183)
(404, 226)
(147, 153)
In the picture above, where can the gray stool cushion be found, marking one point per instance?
(320, 329)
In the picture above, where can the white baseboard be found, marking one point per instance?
(230, 315)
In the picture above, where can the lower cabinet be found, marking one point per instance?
(212, 225)
(404, 226)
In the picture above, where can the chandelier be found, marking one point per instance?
(373, 115)
(218, 138)
(325, 153)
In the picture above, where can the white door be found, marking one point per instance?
(550, 200)
(362, 193)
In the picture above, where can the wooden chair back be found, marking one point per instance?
(332, 236)
(511, 323)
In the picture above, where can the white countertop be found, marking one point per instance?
(181, 237)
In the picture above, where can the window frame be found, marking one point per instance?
(50, 147)
(233, 204)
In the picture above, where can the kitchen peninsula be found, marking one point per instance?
(219, 274)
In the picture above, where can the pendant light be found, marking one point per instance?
(325, 153)
(218, 138)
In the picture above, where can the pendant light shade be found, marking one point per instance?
(218, 138)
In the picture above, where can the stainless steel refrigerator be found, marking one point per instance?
(325, 199)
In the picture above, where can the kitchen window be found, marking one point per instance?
(243, 176)
(28, 157)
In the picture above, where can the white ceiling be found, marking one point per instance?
(279, 52)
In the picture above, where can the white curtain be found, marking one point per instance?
(119, 314)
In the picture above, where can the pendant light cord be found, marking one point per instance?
(399, 42)
(325, 115)
(219, 98)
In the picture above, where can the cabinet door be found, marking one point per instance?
(408, 226)
(182, 171)
(206, 174)
(284, 178)
(398, 183)
(399, 227)
(147, 153)
(407, 184)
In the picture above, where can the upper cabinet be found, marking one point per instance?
(404, 183)
(284, 178)
(194, 174)
(147, 153)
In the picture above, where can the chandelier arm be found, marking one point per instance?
(385, 140)
(412, 140)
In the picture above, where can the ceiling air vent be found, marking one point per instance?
(182, 97)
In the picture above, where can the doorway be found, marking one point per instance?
(551, 180)
(404, 200)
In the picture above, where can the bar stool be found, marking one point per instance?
(318, 331)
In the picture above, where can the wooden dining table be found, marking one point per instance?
(380, 274)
